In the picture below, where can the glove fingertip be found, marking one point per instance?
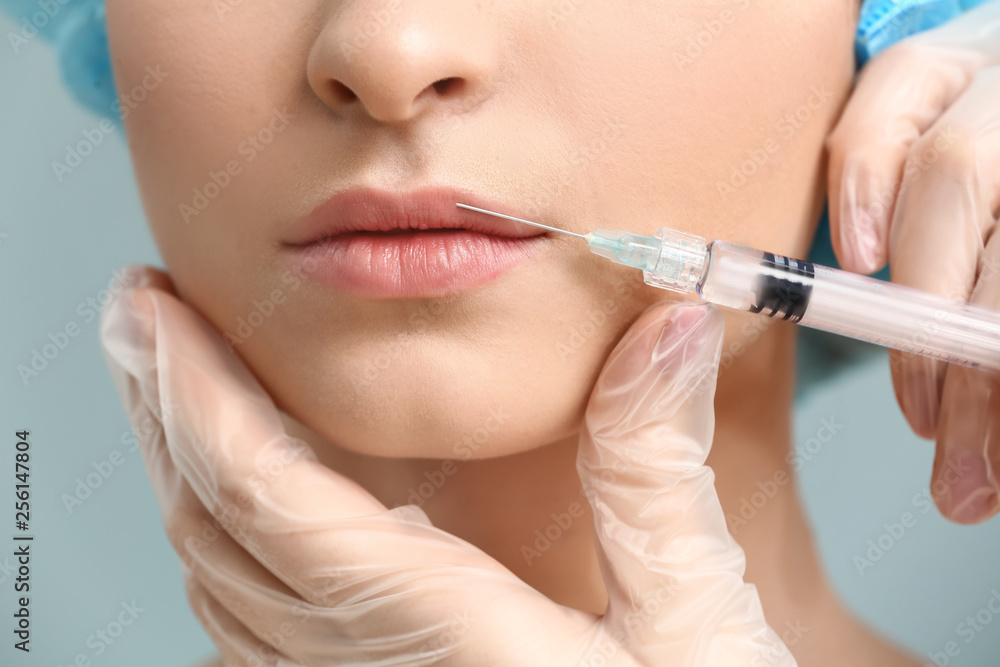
(136, 275)
(649, 346)
(690, 336)
(682, 321)
(127, 327)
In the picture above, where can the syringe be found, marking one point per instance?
(840, 302)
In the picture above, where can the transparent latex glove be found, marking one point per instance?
(289, 563)
(915, 179)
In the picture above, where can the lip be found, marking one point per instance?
(381, 244)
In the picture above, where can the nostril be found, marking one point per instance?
(445, 85)
(342, 92)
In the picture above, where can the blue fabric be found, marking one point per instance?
(85, 59)
(77, 30)
(885, 22)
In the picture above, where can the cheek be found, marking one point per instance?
(720, 130)
(204, 142)
(209, 140)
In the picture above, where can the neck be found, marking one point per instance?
(527, 510)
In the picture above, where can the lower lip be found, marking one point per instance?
(379, 265)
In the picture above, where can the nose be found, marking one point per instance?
(396, 60)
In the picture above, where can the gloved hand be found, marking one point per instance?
(308, 568)
(915, 178)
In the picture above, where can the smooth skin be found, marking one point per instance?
(609, 114)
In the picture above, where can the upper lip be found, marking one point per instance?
(376, 210)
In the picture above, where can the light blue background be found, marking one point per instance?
(64, 241)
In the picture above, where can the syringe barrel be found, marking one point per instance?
(852, 305)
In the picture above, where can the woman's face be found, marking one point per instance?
(704, 116)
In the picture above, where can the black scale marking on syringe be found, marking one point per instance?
(789, 293)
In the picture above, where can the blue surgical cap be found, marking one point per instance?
(77, 30)
(885, 22)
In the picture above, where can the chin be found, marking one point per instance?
(435, 410)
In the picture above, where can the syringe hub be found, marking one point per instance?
(635, 250)
(669, 259)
